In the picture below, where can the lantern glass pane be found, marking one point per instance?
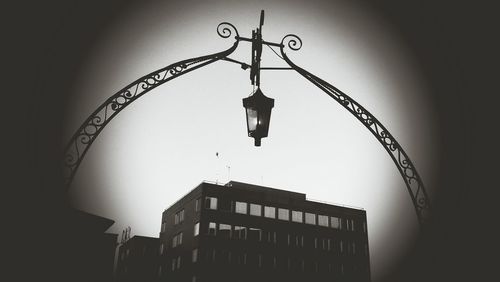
(252, 119)
(264, 117)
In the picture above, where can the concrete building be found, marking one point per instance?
(243, 232)
(137, 260)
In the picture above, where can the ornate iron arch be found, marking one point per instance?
(86, 134)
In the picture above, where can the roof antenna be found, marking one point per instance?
(217, 169)
(228, 173)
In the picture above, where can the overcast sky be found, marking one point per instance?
(165, 143)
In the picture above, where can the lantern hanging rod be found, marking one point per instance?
(257, 43)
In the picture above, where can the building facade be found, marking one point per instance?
(137, 260)
(243, 232)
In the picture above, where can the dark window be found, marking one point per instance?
(254, 234)
(197, 205)
(240, 232)
(212, 228)
(224, 230)
(179, 217)
(211, 203)
(195, 255)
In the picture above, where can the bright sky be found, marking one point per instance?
(165, 143)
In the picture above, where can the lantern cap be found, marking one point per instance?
(258, 99)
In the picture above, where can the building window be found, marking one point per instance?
(254, 234)
(260, 260)
(173, 264)
(196, 229)
(348, 223)
(212, 228)
(271, 237)
(225, 230)
(163, 226)
(335, 222)
(211, 203)
(310, 218)
(241, 258)
(341, 246)
(197, 205)
(193, 279)
(297, 216)
(195, 255)
(240, 232)
(177, 240)
(255, 210)
(178, 262)
(162, 247)
(210, 255)
(323, 220)
(364, 226)
(283, 214)
(299, 241)
(269, 212)
(240, 207)
(159, 271)
(179, 217)
(315, 243)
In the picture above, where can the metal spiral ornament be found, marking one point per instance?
(292, 41)
(225, 30)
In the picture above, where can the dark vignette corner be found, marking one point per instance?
(53, 38)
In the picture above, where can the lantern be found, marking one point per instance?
(258, 110)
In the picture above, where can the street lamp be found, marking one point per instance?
(258, 107)
(258, 110)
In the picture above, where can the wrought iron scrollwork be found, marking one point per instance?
(404, 164)
(83, 138)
